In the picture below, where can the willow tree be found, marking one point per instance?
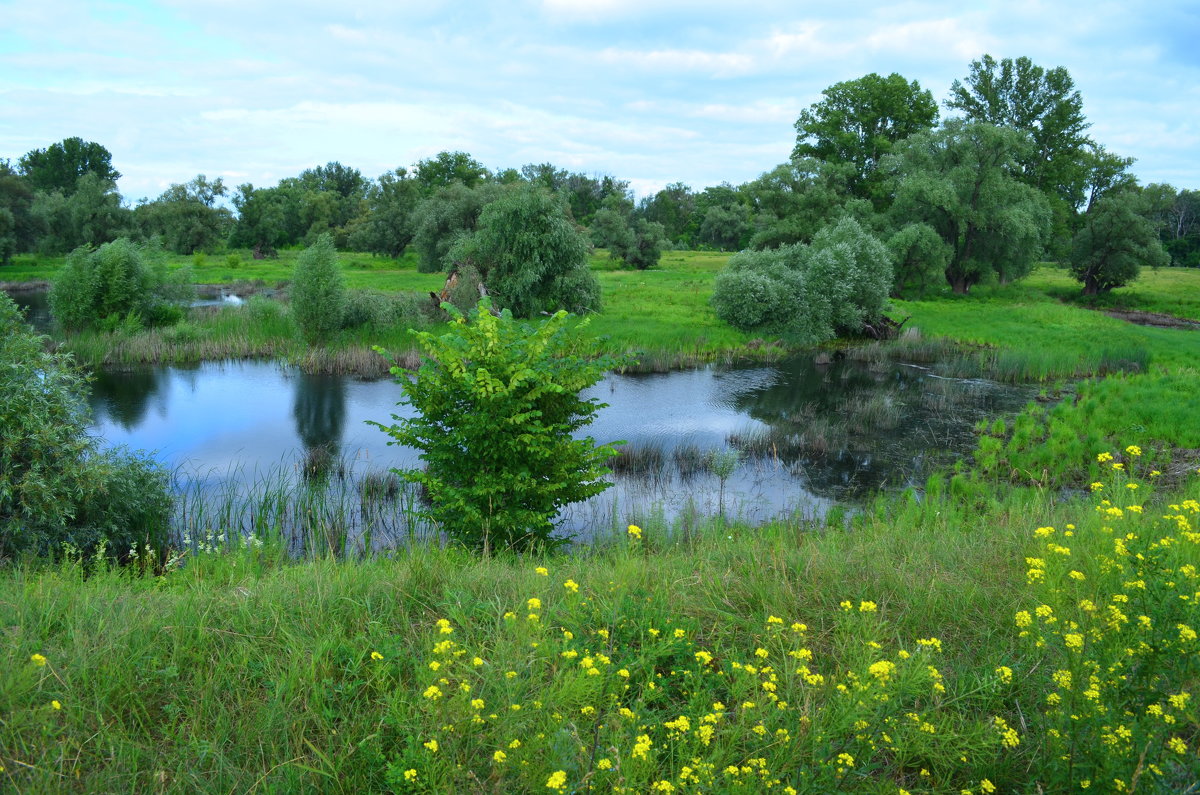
(963, 181)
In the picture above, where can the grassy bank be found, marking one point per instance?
(951, 644)
(1027, 624)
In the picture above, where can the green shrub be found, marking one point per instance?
(318, 291)
(55, 487)
(108, 287)
(833, 286)
(497, 402)
(379, 309)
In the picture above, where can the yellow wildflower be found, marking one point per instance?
(37, 660)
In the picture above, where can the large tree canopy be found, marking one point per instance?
(1041, 102)
(962, 181)
(858, 121)
(59, 166)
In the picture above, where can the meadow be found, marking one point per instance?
(1025, 623)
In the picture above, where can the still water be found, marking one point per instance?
(810, 435)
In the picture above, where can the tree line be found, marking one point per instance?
(1010, 177)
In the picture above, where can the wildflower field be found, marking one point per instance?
(972, 642)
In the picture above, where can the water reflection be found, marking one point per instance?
(319, 409)
(809, 434)
(36, 306)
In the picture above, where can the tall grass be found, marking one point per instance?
(892, 656)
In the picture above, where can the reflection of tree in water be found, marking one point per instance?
(320, 413)
(125, 396)
(851, 428)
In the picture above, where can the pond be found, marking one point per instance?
(257, 443)
(809, 435)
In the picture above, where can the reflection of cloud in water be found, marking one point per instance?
(238, 420)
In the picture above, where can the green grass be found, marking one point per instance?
(1168, 291)
(240, 671)
(243, 670)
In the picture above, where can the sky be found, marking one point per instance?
(649, 91)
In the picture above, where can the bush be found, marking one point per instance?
(379, 309)
(55, 487)
(318, 291)
(530, 255)
(833, 286)
(118, 286)
(497, 403)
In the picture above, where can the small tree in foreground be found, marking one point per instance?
(497, 403)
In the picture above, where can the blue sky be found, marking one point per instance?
(652, 92)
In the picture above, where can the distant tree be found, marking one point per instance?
(1044, 104)
(962, 181)
(439, 220)
(447, 168)
(635, 241)
(722, 218)
(859, 121)
(672, 207)
(18, 226)
(90, 215)
(387, 227)
(1176, 214)
(318, 291)
(611, 225)
(59, 166)
(793, 201)
(263, 216)
(530, 255)
(185, 217)
(1114, 243)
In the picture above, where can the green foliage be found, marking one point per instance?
(793, 201)
(388, 228)
(318, 291)
(673, 207)
(375, 308)
(859, 121)
(450, 168)
(833, 286)
(18, 229)
(497, 403)
(438, 222)
(184, 216)
(962, 181)
(919, 257)
(1042, 103)
(55, 487)
(114, 284)
(89, 215)
(530, 255)
(59, 166)
(1114, 243)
